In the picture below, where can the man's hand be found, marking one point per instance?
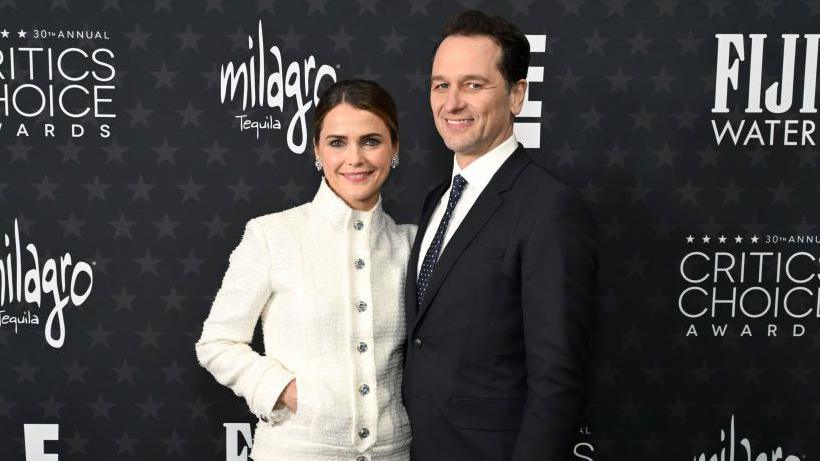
(288, 397)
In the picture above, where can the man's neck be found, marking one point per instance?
(465, 159)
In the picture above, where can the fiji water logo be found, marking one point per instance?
(736, 453)
(263, 80)
(24, 279)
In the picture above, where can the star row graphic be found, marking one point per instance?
(722, 239)
(20, 34)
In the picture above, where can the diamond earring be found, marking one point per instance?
(394, 161)
(318, 164)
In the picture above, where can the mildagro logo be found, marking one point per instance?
(732, 452)
(257, 86)
(24, 280)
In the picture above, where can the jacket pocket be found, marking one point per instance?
(490, 414)
(303, 415)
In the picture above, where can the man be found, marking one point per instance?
(499, 289)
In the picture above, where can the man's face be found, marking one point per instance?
(471, 104)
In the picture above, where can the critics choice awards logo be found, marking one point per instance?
(60, 84)
(739, 74)
(750, 285)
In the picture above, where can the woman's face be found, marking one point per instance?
(354, 147)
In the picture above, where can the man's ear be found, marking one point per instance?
(518, 91)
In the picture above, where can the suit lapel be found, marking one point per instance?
(410, 301)
(484, 207)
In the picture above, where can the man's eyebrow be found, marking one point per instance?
(465, 77)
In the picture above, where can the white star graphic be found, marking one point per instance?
(21, 34)
(4, 33)
(722, 239)
(690, 239)
(754, 239)
(706, 239)
(738, 239)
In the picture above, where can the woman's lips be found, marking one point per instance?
(360, 176)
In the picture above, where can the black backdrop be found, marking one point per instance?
(153, 200)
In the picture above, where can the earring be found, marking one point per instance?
(394, 161)
(318, 164)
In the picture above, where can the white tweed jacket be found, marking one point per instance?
(327, 283)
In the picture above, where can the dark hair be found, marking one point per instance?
(361, 94)
(515, 49)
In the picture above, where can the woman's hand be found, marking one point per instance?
(288, 396)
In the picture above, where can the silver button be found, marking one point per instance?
(361, 458)
(362, 347)
(359, 263)
(364, 432)
(359, 225)
(362, 306)
(364, 389)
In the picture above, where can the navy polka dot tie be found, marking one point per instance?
(435, 246)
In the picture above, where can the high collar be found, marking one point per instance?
(339, 213)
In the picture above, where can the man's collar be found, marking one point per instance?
(479, 172)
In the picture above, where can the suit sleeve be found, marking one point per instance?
(559, 262)
(224, 346)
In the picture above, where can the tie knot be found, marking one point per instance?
(458, 183)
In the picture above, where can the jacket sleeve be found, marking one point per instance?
(224, 346)
(559, 263)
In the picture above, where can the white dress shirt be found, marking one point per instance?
(327, 284)
(478, 174)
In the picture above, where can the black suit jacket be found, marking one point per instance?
(497, 351)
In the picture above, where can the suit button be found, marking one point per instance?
(364, 389)
(362, 347)
(358, 224)
(361, 458)
(362, 306)
(359, 263)
(364, 432)
(418, 343)
(263, 418)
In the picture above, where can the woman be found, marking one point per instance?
(327, 280)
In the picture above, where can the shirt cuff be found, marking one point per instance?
(267, 393)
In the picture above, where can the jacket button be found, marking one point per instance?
(362, 347)
(362, 306)
(364, 432)
(418, 343)
(358, 224)
(263, 418)
(364, 389)
(359, 263)
(361, 458)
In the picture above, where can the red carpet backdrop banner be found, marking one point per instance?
(137, 138)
